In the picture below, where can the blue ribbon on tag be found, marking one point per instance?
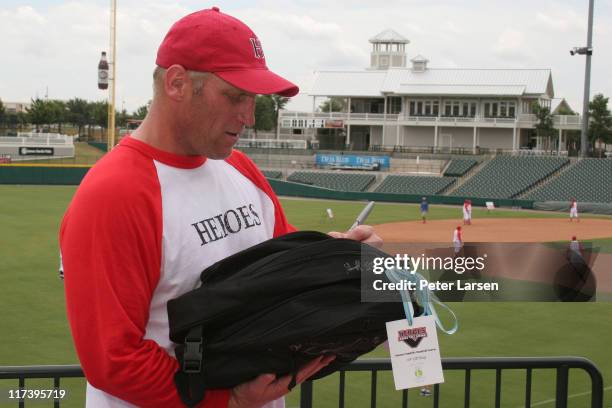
(424, 297)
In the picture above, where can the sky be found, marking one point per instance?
(52, 47)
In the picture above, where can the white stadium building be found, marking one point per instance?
(400, 104)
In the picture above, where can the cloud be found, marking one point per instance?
(59, 45)
(512, 45)
(561, 20)
(294, 27)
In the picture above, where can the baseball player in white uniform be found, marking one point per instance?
(467, 212)
(574, 210)
(457, 241)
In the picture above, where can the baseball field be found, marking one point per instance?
(34, 330)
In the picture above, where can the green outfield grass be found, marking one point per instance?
(84, 154)
(34, 330)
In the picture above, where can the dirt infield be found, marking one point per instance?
(497, 230)
(519, 230)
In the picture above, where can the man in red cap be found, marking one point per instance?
(170, 200)
(575, 247)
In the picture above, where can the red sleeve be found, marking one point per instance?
(110, 240)
(250, 170)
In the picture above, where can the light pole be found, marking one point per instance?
(113, 78)
(588, 51)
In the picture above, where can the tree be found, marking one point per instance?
(99, 113)
(2, 110)
(600, 121)
(279, 103)
(336, 104)
(58, 113)
(264, 113)
(563, 110)
(544, 126)
(39, 112)
(78, 113)
(141, 112)
(122, 118)
(331, 138)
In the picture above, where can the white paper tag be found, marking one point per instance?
(415, 354)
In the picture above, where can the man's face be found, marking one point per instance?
(214, 117)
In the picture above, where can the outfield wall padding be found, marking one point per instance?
(287, 188)
(43, 175)
(99, 145)
(593, 208)
(60, 175)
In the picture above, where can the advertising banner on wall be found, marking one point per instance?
(351, 160)
(36, 151)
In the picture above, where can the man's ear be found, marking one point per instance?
(176, 82)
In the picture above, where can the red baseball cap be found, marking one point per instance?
(211, 41)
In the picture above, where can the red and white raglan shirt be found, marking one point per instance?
(139, 231)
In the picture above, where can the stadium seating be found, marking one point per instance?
(275, 174)
(334, 181)
(508, 176)
(425, 185)
(458, 167)
(588, 180)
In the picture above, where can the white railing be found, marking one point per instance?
(272, 143)
(572, 121)
(38, 139)
(567, 120)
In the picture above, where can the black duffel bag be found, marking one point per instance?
(274, 307)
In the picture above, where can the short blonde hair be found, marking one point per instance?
(198, 79)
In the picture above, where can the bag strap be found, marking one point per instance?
(188, 380)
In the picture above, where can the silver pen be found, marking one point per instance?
(363, 215)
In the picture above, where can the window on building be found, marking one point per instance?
(394, 104)
(456, 107)
(502, 109)
(424, 107)
(512, 109)
(491, 109)
(376, 106)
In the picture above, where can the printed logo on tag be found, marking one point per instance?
(412, 337)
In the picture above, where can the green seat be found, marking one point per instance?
(335, 181)
(421, 185)
(458, 167)
(509, 176)
(587, 180)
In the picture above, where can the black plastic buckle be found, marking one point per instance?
(192, 357)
